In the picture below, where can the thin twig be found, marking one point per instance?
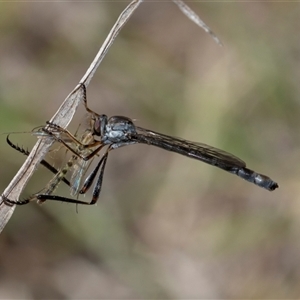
(196, 19)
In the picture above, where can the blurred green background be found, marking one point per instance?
(165, 226)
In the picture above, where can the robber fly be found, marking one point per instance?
(120, 131)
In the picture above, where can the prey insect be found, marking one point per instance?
(120, 131)
(60, 175)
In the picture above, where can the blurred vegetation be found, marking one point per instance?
(165, 226)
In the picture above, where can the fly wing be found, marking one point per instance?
(79, 169)
(200, 151)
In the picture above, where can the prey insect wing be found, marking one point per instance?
(79, 170)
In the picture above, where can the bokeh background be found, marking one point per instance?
(165, 226)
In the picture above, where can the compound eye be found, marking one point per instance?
(97, 125)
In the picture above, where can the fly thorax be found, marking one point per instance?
(118, 129)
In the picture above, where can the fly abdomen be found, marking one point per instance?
(256, 178)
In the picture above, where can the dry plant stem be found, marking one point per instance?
(196, 19)
(65, 113)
